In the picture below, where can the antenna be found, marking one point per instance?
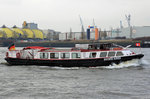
(128, 18)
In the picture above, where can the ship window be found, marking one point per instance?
(111, 54)
(119, 54)
(44, 55)
(93, 55)
(76, 55)
(54, 55)
(103, 54)
(65, 55)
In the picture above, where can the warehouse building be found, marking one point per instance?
(51, 34)
(70, 36)
(133, 32)
(27, 32)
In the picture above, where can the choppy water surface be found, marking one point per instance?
(129, 80)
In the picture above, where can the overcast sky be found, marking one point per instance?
(60, 15)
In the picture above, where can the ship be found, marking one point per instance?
(82, 55)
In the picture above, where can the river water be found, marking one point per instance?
(130, 80)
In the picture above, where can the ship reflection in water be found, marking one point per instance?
(125, 80)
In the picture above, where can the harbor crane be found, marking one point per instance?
(82, 28)
(128, 18)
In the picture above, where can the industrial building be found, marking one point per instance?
(30, 31)
(132, 32)
(120, 33)
(70, 36)
(27, 32)
(91, 34)
(51, 34)
(75, 36)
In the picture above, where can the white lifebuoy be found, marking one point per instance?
(18, 55)
(7, 54)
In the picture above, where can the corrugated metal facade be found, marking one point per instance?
(137, 31)
(66, 36)
(75, 36)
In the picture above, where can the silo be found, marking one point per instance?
(38, 34)
(9, 33)
(29, 33)
(88, 34)
(19, 32)
(96, 33)
(1, 34)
